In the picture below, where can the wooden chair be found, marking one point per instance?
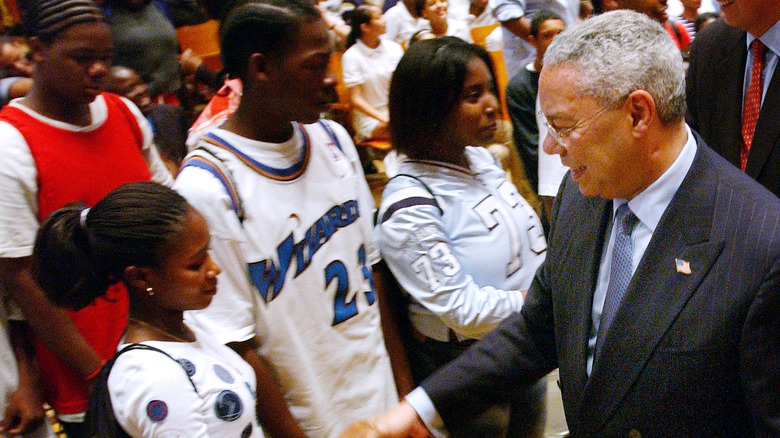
(203, 40)
(501, 80)
(479, 34)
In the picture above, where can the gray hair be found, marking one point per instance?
(619, 52)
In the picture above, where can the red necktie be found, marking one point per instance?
(752, 100)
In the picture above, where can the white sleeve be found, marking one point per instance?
(419, 400)
(419, 253)
(152, 397)
(350, 68)
(505, 10)
(231, 315)
(18, 195)
(160, 173)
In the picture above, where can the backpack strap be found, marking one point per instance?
(100, 420)
(411, 201)
(205, 159)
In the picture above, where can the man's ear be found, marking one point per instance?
(136, 277)
(36, 49)
(258, 66)
(641, 106)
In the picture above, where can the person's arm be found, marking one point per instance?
(359, 103)
(518, 26)
(387, 295)
(759, 353)
(399, 422)
(51, 324)
(24, 412)
(272, 410)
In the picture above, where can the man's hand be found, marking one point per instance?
(24, 412)
(400, 422)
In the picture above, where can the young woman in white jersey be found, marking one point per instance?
(456, 234)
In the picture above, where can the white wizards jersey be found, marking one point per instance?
(461, 242)
(297, 272)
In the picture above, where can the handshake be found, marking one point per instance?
(399, 422)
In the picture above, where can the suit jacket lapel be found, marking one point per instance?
(581, 257)
(730, 74)
(656, 295)
(767, 131)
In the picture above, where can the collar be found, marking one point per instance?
(651, 203)
(770, 38)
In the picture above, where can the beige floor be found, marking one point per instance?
(556, 421)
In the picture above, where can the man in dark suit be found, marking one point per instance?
(664, 321)
(719, 78)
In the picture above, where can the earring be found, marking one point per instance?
(150, 291)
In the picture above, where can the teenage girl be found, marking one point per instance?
(461, 241)
(147, 236)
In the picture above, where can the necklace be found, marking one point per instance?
(156, 329)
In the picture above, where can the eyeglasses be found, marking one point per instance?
(559, 135)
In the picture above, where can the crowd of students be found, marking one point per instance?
(244, 252)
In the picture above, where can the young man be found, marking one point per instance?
(296, 297)
(521, 95)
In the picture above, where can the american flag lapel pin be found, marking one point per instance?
(683, 266)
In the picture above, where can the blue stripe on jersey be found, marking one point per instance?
(202, 163)
(408, 202)
(287, 174)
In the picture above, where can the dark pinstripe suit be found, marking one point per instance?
(687, 355)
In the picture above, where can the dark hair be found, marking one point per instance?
(74, 261)
(261, 27)
(425, 86)
(45, 19)
(540, 17)
(702, 18)
(356, 17)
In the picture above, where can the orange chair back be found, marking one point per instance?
(203, 40)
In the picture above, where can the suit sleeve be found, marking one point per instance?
(520, 351)
(760, 356)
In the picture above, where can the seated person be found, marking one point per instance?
(367, 66)
(436, 12)
(169, 122)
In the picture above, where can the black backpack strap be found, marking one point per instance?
(392, 209)
(100, 421)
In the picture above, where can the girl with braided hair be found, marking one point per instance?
(147, 236)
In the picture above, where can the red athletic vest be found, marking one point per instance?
(82, 166)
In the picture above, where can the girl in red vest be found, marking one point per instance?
(67, 142)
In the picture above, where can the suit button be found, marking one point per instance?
(633, 433)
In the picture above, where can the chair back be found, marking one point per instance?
(203, 40)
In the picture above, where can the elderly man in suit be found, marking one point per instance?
(659, 299)
(734, 95)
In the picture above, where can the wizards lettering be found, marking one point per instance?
(269, 277)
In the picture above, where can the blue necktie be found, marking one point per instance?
(620, 274)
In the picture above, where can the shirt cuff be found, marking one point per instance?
(419, 401)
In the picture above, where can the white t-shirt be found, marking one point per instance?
(551, 169)
(152, 397)
(371, 69)
(400, 25)
(18, 175)
(296, 272)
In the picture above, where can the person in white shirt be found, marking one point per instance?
(404, 19)
(437, 14)
(367, 66)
